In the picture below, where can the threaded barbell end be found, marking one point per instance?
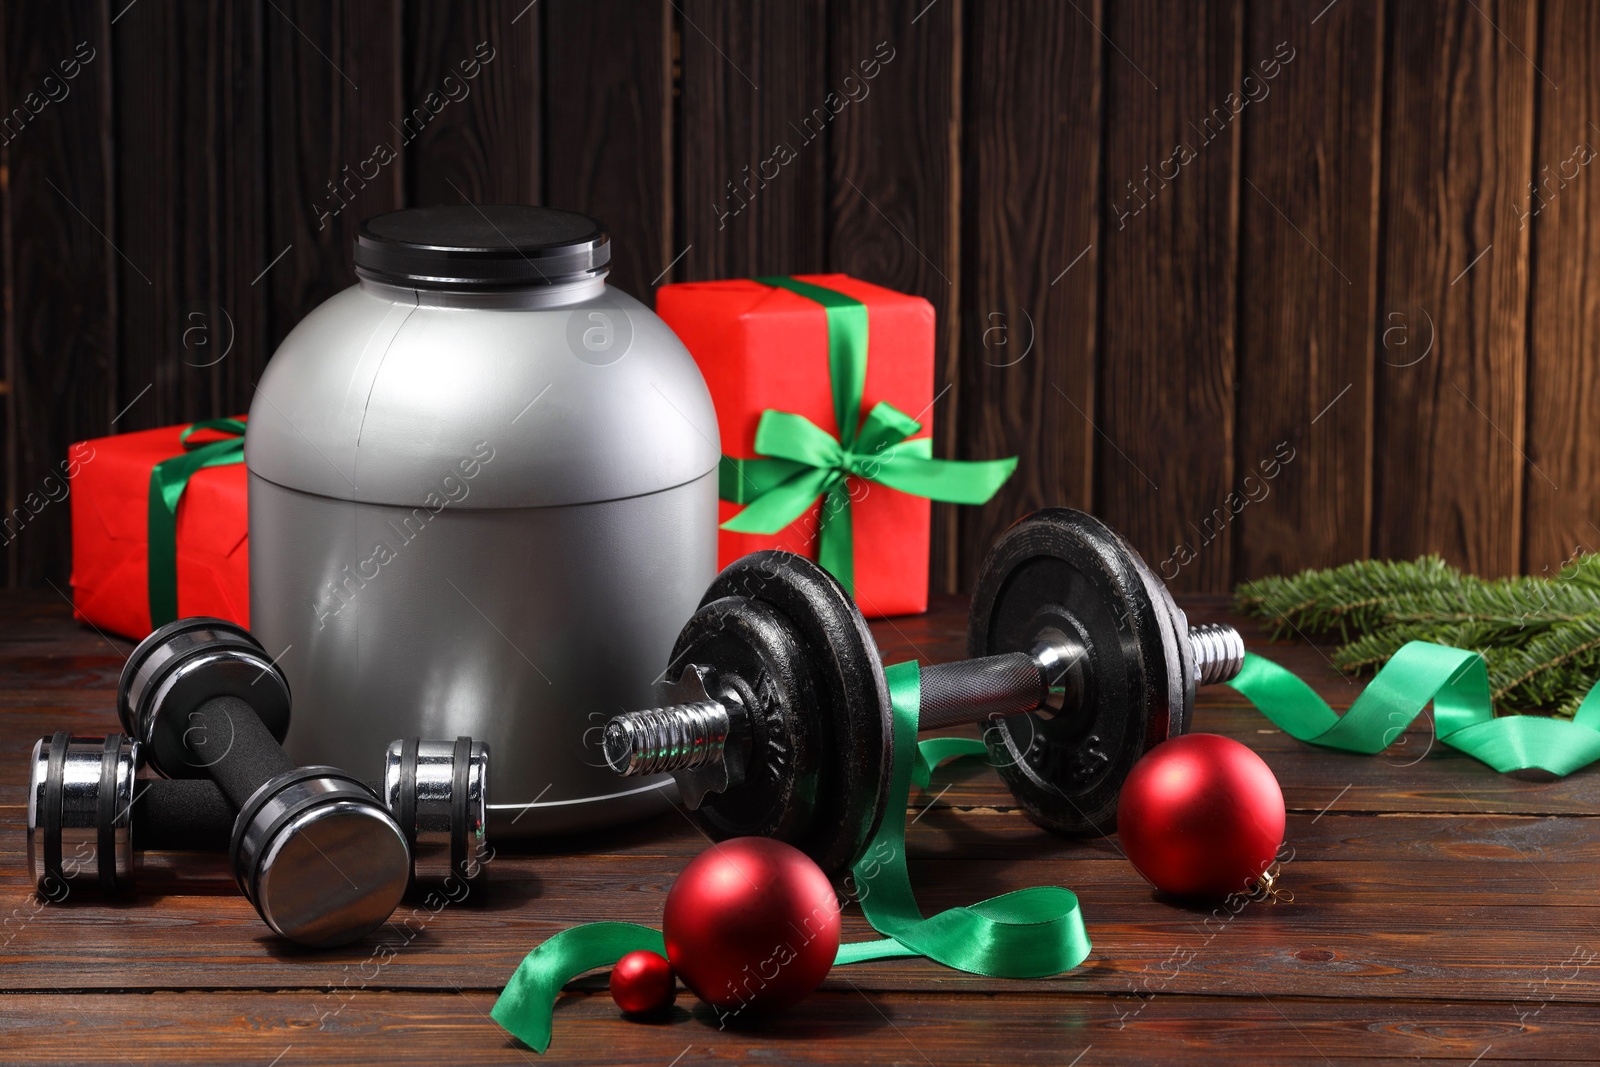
(674, 738)
(1218, 653)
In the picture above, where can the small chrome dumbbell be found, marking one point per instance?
(204, 700)
(90, 818)
(782, 726)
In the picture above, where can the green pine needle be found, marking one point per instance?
(1540, 636)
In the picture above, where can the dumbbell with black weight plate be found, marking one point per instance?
(313, 848)
(90, 818)
(782, 726)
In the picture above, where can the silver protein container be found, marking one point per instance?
(483, 501)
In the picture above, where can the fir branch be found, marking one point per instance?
(1539, 635)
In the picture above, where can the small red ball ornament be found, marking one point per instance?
(642, 983)
(1201, 816)
(751, 923)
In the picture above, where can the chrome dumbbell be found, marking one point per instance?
(90, 817)
(204, 700)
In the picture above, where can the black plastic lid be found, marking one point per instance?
(481, 246)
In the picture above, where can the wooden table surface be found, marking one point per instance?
(1441, 912)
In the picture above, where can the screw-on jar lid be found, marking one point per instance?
(481, 246)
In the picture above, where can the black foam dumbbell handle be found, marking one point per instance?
(227, 738)
(969, 691)
(181, 815)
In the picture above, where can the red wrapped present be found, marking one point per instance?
(823, 387)
(180, 489)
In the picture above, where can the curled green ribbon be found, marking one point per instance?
(1029, 933)
(168, 479)
(803, 462)
(1456, 682)
(525, 1005)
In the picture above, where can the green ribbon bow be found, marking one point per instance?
(168, 479)
(804, 462)
(1030, 933)
(1456, 682)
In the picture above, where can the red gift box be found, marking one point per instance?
(763, 347)
(110, 531)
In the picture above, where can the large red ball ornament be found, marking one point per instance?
(1201, 816)
(642, 983)
(751, 924)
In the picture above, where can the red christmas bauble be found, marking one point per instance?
(751, 923)
(642, 983)
(1201, 816)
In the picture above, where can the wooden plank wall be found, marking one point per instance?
(1265, 284)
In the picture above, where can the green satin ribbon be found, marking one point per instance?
(1456, 682)
(804, 462)
(168, 479)
(526, 1004)
(1029, 933)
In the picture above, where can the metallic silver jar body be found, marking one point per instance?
(481, 514)
(526, 628)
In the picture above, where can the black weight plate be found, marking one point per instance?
(1065, 569)
(855, 736)
(750, 648)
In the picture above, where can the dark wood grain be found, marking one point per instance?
(336, 143)
(894, 212)
(482, 138)
(1164, 452)
(1308, 225)
(191, 200)
(753, 132)
(1329, 231)
(1448, 466)
(609, 107)
(1438, 909)
(966, 841)
(832, 1027)
(1560, 210)
(1420, 909)
(63, 275)
(1028, 339)
(1326, 231)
